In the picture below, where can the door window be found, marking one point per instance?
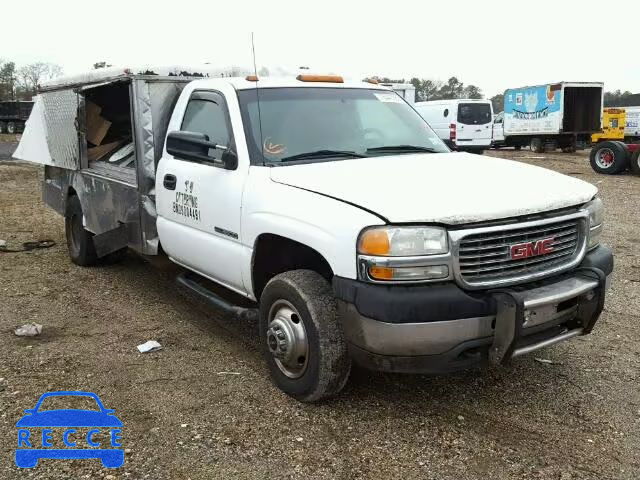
(207, 113)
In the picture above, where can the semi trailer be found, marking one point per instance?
(13, 115)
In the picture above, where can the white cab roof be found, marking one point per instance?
(241, 83)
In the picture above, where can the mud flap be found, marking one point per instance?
(111, 241)
(510, 315)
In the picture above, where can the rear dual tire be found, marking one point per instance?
(609, 157)
(80, 245)
(634, 162)
(79, 241)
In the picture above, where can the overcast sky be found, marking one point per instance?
(492, 44)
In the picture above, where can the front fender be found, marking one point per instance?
(327, 225)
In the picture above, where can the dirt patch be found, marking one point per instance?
(576, 418)
(9, 138)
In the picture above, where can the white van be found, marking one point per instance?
(463, 124)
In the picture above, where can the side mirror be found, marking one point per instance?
(194, 146)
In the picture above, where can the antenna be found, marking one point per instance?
(255, 72)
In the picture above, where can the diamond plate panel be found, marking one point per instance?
(60, 111)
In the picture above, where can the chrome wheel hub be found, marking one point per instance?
(604, 158)
(287, 339)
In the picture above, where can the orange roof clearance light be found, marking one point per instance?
(251, 78)
(320, 78)
(372, 80)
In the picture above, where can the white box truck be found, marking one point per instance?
(463, 124)
(342, 221)
(545, 117)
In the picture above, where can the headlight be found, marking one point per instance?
(403, 254)
(403, 241)
(596, 218)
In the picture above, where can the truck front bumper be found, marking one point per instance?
(441, 328)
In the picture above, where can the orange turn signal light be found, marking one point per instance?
(381, 273)
(374, 242)
(320, 78)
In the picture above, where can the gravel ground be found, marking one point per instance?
(203, 407)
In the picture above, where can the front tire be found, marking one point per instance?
(609, 158)
(79, 241)
(302, 338)
(537, 145)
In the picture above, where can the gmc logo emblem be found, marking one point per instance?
(531, 249)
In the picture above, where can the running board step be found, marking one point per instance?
(186, 280)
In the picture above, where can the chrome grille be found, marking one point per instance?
(484, 258)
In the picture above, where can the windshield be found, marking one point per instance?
(363, 122)
(474, 113)
(62, 402)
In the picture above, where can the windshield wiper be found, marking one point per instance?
(402, 149)
(322, 154)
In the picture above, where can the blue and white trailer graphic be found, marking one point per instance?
(533, 110)
(554, 115)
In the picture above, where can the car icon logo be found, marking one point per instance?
(68, 425)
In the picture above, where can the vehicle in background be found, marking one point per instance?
(632, 124)
(611, 157)
(463, 124)
(555, 115)
(405, 90)
(497, 133)
(13, 115)
(613, 125)
(328, 210)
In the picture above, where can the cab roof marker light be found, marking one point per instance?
(251, 78)
(320, 78)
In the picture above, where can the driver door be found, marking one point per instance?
(199, 202)
(498, 129)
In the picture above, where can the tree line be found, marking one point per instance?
(430, 89)
(21, 83)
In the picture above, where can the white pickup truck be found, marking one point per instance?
(334, 209)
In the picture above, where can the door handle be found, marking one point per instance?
(169, 181)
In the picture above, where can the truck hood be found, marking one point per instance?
(449, 188)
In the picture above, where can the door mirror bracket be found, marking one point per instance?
(195, 147)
